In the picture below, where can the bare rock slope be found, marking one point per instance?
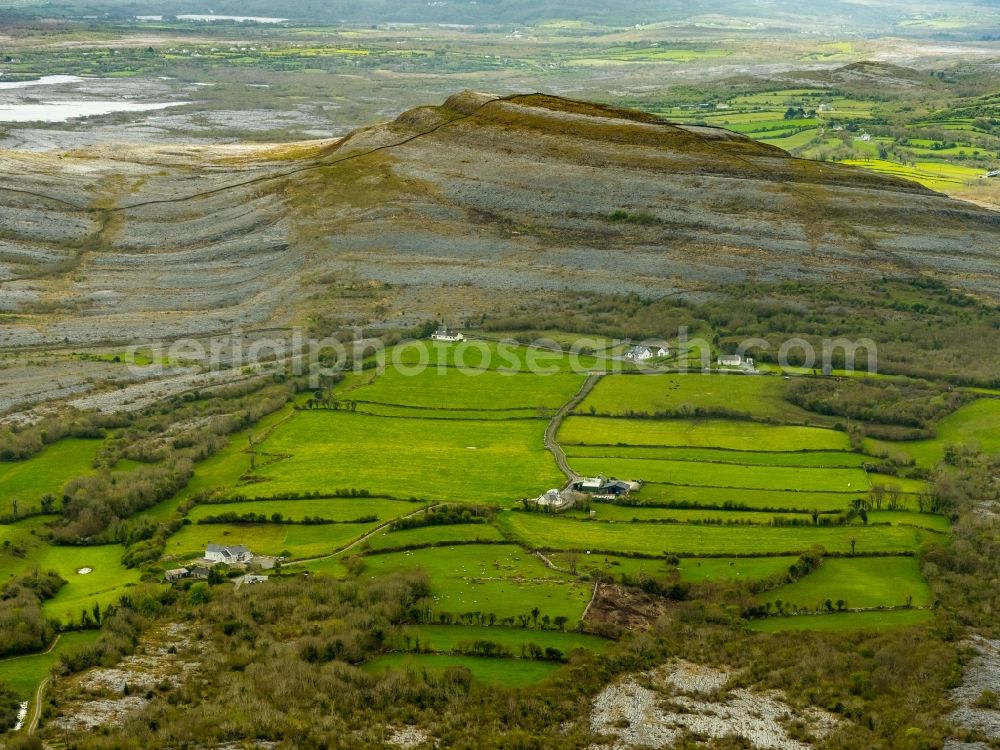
(515, 194)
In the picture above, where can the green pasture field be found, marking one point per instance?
(266, 538)
(445, 638)
(844, 621)
(442, 460)
(485, 355)
(691, 569)
(567, 340)
(500, 672)
(701, 433)
(450, 388)
(468, 532)
(104, 585)
(792, 141)
(23, 673)
(930, 521)
(761, 397)
(861, 582)
(507, 561)
(978, 422)
(330, 566)
(638, 514)
(804, 459)
(752, 499)
(333, 508)
(546, 532)
(44, 473)
(223, 469)
(416, 412)
(502, 579)
(725, 475)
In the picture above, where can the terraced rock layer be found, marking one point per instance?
(515, 195)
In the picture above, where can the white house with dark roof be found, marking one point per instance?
(443, 334)
(234, 553)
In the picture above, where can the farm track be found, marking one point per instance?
(37, 709)
(551, 444)
(362, 539)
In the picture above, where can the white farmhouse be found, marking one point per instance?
(554, 500)
(443, 334)
(643, 353)
(220, 553)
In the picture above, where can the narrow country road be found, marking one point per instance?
(553, 429)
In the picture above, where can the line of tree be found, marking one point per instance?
(445, 515)
(233, 517)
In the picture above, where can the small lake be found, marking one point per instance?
(63, 111)
(213, 17)
(43, 81)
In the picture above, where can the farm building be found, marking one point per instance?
(249, 579)
(176, 574)
(220, 553)
(443, 334)
(642, 353)
(601, 486)
(199, 571)
(736, 360)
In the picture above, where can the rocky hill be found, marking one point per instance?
(399, 222)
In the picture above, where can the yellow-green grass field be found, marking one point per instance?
(639, 514)
(699, 433)
(500, 672)
(419, 412)
(776, 500)
(860, 582)
(486, 355)
(45, 473)
(440, 460)
(938, 176)
(23, 673)
(449, 389)
(844, 621)
(445, 638)
(725, 475)
(331, 508)
(804, 459)
(543, 531)
(761, 397)
(266, 538)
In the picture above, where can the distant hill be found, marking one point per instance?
(832, 14)
(456, 207)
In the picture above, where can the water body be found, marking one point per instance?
(43, 81)
(213, 17)
(63, 111)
